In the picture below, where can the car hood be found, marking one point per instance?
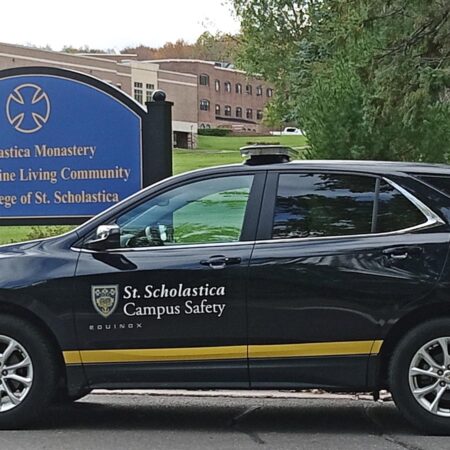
(19, 248)
(27, 263)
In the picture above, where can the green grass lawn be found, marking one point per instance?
(233, 143)
(215, 151)
(212, 151)
(11, 234)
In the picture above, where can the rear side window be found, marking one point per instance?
(319, 205)
(311, 205)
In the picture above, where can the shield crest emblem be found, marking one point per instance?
(105, 299)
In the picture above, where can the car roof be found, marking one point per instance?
(376, 167)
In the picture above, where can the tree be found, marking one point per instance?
(210, 47)
(216, 47)
(85, 49)
(363, 78)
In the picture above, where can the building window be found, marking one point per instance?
(249, 113)
(217, 110)
(227, 86)
(149, 89)
(204, 105)
(217, 84)
(249, 89)
(238, 111)
(202, 126)
(259, 114)
(259, 91)
(269, 92)
(138, 92)
(228, 110)
(238, 88)
(204, 79)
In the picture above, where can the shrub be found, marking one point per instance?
(214, 132)
(37, 232)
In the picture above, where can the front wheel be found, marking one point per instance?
(28, 372)
(419, 376)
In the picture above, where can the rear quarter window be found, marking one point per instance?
(441, 183)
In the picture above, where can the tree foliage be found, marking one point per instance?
(86, 49)
(365, 79)
(211, 47)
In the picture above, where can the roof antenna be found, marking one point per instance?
(268, 154)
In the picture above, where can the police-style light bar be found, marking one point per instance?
(267, 154)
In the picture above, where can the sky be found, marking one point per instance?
(112, 24)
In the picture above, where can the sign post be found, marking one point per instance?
(72, 145)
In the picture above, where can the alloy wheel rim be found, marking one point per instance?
(16, 373)
(429, 376)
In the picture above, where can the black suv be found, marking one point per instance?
(270, 274)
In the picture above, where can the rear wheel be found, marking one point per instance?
(420, 376)
(28, 372)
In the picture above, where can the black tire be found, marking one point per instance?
(399, 380)
(45, 373)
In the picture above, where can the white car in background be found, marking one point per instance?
(288, 131)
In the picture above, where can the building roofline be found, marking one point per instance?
(60, 53)
(200, 61)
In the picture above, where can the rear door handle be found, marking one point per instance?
(220, 261)
(401, 253)
(398, 256)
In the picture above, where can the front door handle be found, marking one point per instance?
(220, 261)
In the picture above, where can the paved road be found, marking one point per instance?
(132, 422)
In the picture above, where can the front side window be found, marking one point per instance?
(227, 86)
(203, 212)
(238, 111)
(227, 110)
(319, 205)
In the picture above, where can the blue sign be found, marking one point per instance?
(67, 148)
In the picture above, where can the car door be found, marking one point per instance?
(168, 307)
(338, 256)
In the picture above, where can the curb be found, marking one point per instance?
(384, 396)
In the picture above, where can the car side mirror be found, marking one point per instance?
(107, 237)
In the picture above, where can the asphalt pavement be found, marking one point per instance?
(143, 421)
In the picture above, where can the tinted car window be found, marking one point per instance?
(207, 211)
(395, 211)
(440, 183)
(309, 205)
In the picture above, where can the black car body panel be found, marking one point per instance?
(298, 312)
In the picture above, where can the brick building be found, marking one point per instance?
(205, 94)
(226, 97)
